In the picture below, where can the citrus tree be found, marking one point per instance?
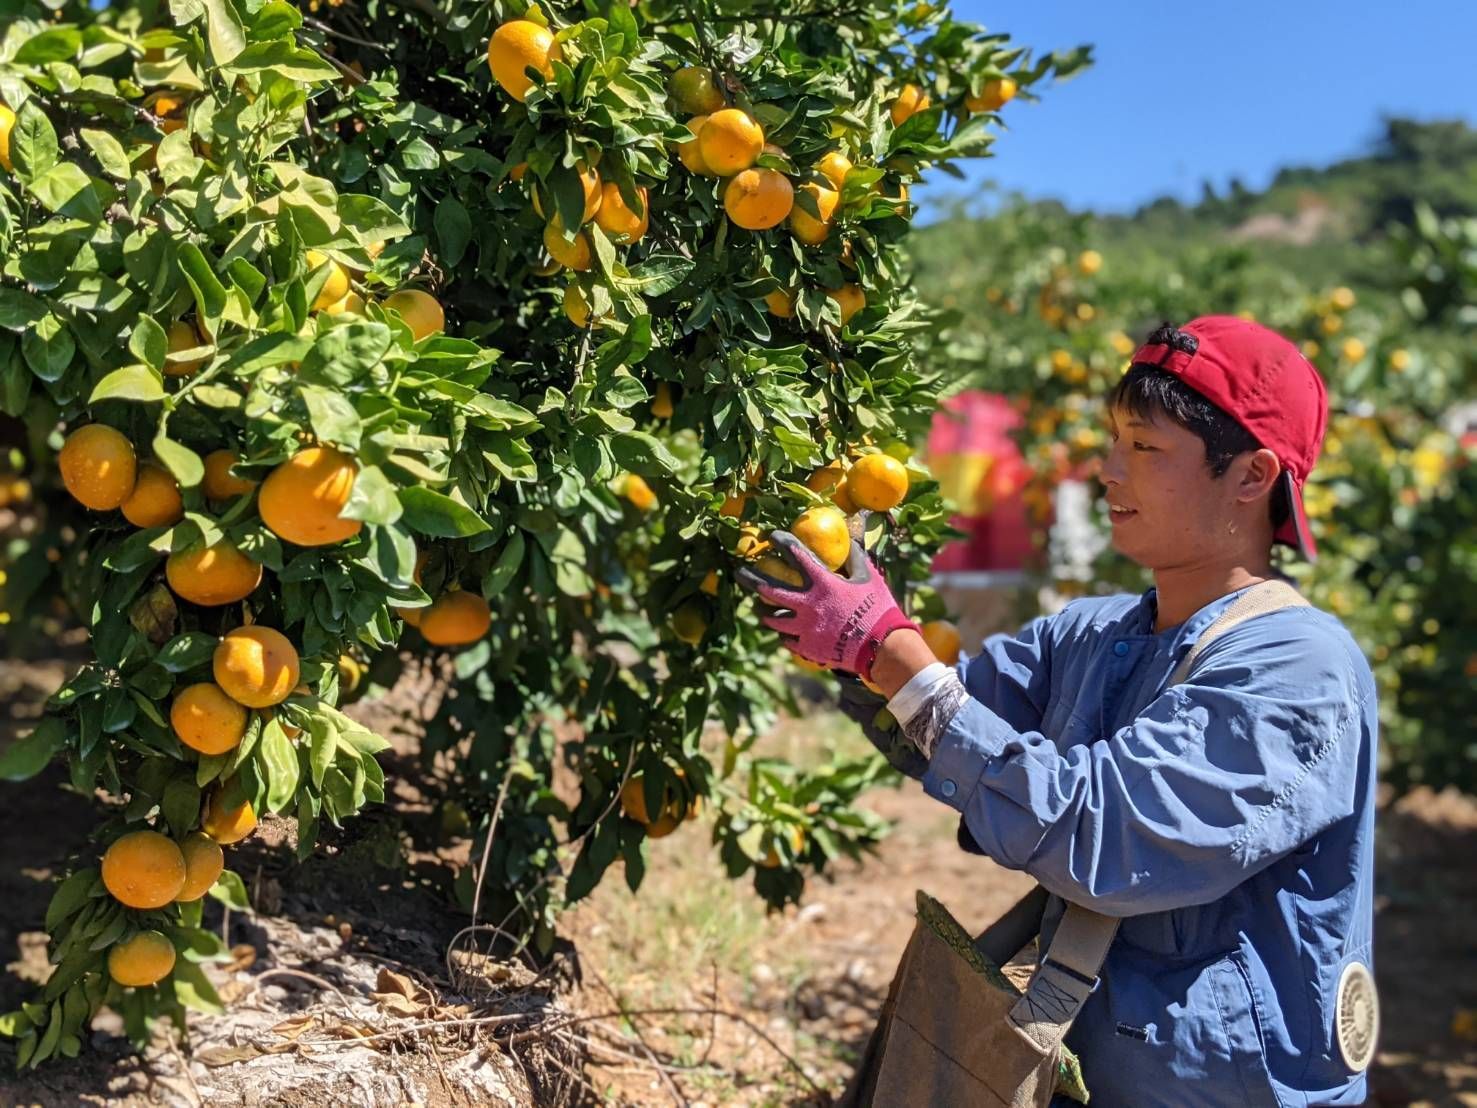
(480, 329)
(1392, 496)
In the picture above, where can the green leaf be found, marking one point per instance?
(70, 895)
(453, 229)
(175, 158)
(48, 348)
(348, 353)
(149, 343)
(66, 189)
(332, 417)
(194, 990)
(55, 44)
(181, 461)
(181, 805)
(15, 1024)
(33, 146)
(284, 60)
(432, 513)
(210, 294)
(642, 453)
(227, 35)
(372, 498)
(133, 382)
(230, 890)
(19, 310)
(109, 153)
(185, 652)
(324, 745)
(28, 756)
(282, 770)
(507, 564)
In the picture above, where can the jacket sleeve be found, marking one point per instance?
(1217, 778)
(1012, 673)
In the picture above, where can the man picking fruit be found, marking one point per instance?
(1227, 819)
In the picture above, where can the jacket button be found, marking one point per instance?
(948, 788)
(1120, 648)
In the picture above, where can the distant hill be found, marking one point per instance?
(1316, 223)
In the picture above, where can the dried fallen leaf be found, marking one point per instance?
(293, 1027)
(400, 1005)
(242, 957)
(227, 1055)
(391, 982)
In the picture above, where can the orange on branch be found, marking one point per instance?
(780, 303)
(455, 619)
(814, 229)
(576, 307)
(336, 287)
(835, 166)
(690, 622)
(638, 492)
(824, 531)
(575, 254)
(219, 483)
(730, 141)
(691, 153)
(144, 959)
(301, 499)
(256, 666)
(227, 825)
(7, 124)
(143, 869)
(155, 500)
(421, 311)
(994, 96)
(182, 336)
(661, 403)
(694, 90)
(758, 199)
(617, 220)
(909, 103)
(772, 565)
(589, 185)
(204, 861)
(212, 575)
(516, 46)
(850, 299)
(206, 719)
(98, 466)
(943, 639)
(877, 482)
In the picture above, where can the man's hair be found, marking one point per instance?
(1149, 392)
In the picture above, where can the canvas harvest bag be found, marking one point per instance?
(954, 1031)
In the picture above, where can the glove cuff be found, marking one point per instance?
(892, 620)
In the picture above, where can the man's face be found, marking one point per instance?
(1176, 512)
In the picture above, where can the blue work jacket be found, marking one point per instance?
(1229, 820)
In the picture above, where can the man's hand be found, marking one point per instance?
(829, 619)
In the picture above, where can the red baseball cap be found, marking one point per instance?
(1263, 382)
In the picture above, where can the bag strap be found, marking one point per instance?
(1068, 972)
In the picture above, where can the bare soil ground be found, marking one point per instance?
(340, 991)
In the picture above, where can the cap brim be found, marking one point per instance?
(1296, 532)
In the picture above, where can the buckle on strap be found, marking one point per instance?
(1082, 978)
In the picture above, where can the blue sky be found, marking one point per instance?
(1188, 90)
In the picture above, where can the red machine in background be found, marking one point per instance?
(979, 467)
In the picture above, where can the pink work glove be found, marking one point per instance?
(831, 620)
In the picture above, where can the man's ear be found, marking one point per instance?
(1259, 475)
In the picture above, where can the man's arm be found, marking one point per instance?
(1217, 778)
(1011, 673)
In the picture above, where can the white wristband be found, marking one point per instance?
(912, 696)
